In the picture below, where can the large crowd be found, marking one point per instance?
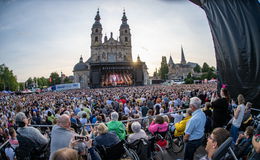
(95, 116)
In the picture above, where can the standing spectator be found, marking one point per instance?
(220, 109)
(238, 117)
(61, 134)
(195, 129)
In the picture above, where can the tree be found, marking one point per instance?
(189, 79)
(67, 80)
(197, 68)
(42, 82)
(54, 78)
(164, 69)
(205, 67)
(21, 86)
(29, 83)
(8, 80)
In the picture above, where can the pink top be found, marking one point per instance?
(155, 127)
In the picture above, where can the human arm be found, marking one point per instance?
(236, 113)
(39, 138)
(188, 130)
(93, 153)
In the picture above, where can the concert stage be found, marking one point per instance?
(116, 74)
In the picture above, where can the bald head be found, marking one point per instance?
(64, 121)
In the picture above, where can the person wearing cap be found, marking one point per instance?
(138, 132)
(194, 130)
(29, 132)
(117, 126)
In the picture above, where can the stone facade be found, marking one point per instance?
(106, 50)
(180, 71)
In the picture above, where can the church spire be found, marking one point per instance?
(97, 18)
(124, 18)
(170, 61)
(183, 61)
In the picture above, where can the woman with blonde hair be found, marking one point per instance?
(105, 137)
(65, 154)
(238, 117)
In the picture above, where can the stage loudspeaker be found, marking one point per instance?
(95, 78)
(139, 75)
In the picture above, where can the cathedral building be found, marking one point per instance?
(110, 63)
(179, 71)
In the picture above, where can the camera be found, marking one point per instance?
(81, 138)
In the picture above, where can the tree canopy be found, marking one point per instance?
(8, 80)
(163, 72)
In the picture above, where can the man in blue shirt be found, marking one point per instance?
(194, 130)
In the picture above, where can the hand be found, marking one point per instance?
(89, 143)
(241, 136)
(73, 142)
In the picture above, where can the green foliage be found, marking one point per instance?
(67, 80)
(163, 72)
(21, 86)
(8, 80)
(208, 73)
(42, 82)
(197, 69)
(29, 83)
(205, 67)
(55, 78)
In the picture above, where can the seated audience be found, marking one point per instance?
(117, 126)
(105, 137)
(138, 133)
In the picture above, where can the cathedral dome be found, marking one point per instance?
(81, 66)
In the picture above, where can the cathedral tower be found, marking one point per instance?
(96, 35)
(125, 38)
(183, 61)
(125, 35)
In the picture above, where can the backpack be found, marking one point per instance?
(25, 149)
(143, 148)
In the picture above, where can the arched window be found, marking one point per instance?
(96, 39)
(96, 30)
(126, 39)
(80, 79)
(125, 31)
